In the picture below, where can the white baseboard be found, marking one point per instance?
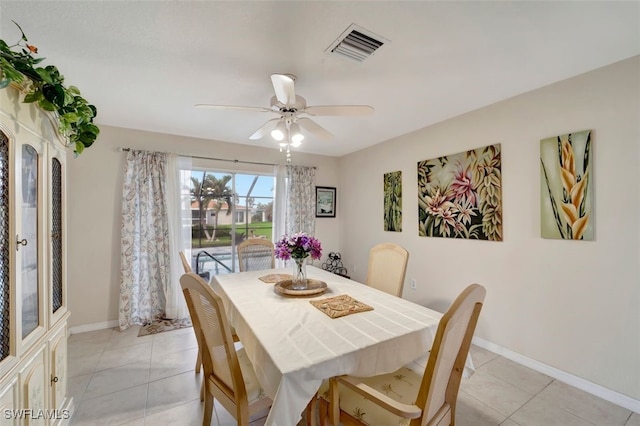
(575, 381)
(95, 326)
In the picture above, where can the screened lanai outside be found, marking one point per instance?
(226, 209)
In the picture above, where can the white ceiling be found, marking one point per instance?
(145, 64)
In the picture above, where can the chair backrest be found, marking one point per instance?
(255, 254)
(387, 268)
(213, 332)
(185, 264)
(439, 388)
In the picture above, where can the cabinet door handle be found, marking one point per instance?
(20, 242)
(54, 379)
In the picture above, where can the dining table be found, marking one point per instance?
(294, 346)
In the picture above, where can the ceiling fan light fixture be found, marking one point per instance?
(296, 135)
(279, 132)
(297, 138)
(296, 143)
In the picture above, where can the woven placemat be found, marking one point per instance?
(274, 278)
(339, 306)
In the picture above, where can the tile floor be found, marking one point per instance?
(117, 378)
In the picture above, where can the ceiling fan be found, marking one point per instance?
(292, 110)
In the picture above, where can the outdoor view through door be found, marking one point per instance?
(226, 209)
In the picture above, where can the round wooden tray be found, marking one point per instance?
(283, 288)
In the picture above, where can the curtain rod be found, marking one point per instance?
(216, 159)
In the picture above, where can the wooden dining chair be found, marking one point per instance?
(427, 399)
(185, 264)
(187, 268)
(255, 254)
(229, 376)
(387, 268)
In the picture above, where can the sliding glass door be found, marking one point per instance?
(226, 209)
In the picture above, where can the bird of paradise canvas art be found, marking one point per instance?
(566, 190)
(460, 195)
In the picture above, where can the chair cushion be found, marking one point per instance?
(401, 385)
(251, 383)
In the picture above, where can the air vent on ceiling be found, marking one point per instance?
(356, 44)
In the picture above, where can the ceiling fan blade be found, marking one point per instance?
(313, 127)
(264, 129)
(284, 88)
(233, 107)
(352, 110)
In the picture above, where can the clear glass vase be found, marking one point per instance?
(299, 273)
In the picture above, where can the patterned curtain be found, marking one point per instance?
(301, 206)
(146, 254)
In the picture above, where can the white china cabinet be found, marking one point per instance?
(33, 299)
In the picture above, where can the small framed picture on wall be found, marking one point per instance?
(325, 201)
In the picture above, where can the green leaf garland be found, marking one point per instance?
(45, 87)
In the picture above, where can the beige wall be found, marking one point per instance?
(95, 188)
(574, 306)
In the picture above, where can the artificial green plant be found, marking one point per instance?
(44, 86)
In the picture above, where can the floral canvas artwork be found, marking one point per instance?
(460, 195)
(566, 189)
(393, 201)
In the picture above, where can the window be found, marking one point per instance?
(234, 206)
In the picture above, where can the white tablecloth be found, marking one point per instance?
(294, 346)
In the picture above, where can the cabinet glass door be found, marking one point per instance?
(56, 236)
(28, 240)
(5, 271)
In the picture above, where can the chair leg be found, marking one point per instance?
(208, 410)
(198, 361)
(334, 401)
(310, 411)
(323, 411)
